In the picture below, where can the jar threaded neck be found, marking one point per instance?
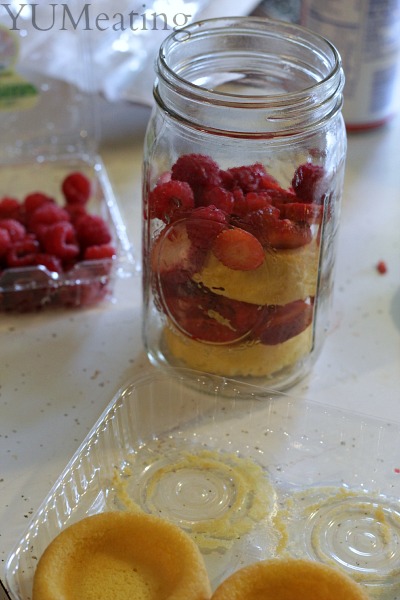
(249, 76)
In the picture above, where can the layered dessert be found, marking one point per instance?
(234, 264)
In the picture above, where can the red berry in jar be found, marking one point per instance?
(169, 199)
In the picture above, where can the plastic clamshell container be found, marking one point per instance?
(249, 473)
(48, 129)
(88, 282)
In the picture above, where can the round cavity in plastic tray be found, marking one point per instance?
(191, 494)
(360, 534)
(224, 501)
(214, 494)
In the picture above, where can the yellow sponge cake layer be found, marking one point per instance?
(284, 276)
(254, 360)
(124, 556)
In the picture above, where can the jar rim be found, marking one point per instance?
(249, 76)
(233, 26)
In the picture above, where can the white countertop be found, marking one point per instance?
(59, 370)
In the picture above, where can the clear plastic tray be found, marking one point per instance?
(88, 282)
(249, 474)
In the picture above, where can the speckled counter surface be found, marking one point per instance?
(58, 370)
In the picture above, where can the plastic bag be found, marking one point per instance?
(121, 41)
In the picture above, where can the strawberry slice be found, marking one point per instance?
(281, 323)
(204, 224)
(174, 254)
(206, 316)
(238, 249)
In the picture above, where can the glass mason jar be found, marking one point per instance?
(242, 182)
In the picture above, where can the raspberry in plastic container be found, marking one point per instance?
(62, 240)
(59, 242)
(243, 175)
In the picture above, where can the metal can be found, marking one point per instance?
(367, 35)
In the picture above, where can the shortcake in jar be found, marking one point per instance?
(243, 176)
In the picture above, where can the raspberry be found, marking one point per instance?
(76, 188)
(211, 213)
(250, 202)
(34, 200)
(303, 212)
(99, 252)
(5, 242)
(75, 211)
(92, 230)
(284, 234)
(15, 229)
(238, 249)
(257, 200)
(381, 267)
(59, 239)
(306, 182)
(39, 232)
(9, 208)
(46, 214)
(169, 197)
(259, 222)
(51, 262)
(204, 224)
(227, 180)
(22, 253)
(197, 170)
(277, 233)
(240, 205)
(249, 178)
(281, 196)
(218, 197)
